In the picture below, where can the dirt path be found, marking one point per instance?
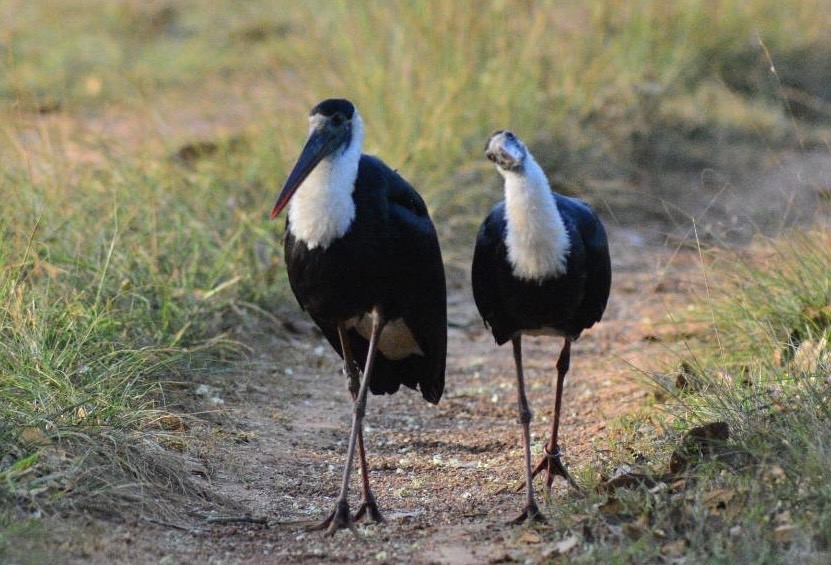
(444, 475)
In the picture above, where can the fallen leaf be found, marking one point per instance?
(700, 443)
(674, 548)
(783, 517)
(819, 316)
(687, 378)
(529, 537)
(808, 355)
(776, 473)
(35, 436)
(611, 506)
(562, 547)
(679, 485)
(719, 498)
(172, 422)
(784, 533)
(637, 528)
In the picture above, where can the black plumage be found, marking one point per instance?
(559, 289)
(389, 257)
(363, 260)
(568, 303)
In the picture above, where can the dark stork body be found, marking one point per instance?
(363, 260)
(541, 267)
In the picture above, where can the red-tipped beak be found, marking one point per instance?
(320, 145)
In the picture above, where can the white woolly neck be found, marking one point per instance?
(537, 240)
(322, 209)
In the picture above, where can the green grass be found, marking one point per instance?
(104, 299)
(123, 271)
(768, 378)
(763, 495)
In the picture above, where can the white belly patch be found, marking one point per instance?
(397, 341)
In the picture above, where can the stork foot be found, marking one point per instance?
(551, 463)
(337, 520)
(368, 508)
(322, 525)
(531, 512)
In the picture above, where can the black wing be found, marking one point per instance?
(598, 262)
(419, 289)
(488, 258)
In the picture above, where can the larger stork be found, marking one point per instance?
(363, 260)
(541, 267)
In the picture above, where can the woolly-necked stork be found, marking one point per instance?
(541, 267)
(363, 260)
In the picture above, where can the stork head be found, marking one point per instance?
(334, 126)
(506, 151)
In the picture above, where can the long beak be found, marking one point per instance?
(319, 146)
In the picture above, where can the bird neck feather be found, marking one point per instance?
(537, 240)
(322, 209)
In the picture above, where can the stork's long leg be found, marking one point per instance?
(354, 384)
(531, 510)
(342, 519)
(368, 502)
(551, 458)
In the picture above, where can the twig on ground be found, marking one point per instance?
(236, 520)
(170, 525)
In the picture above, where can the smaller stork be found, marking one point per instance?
(541, 267)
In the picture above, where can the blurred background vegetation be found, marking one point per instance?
(142, 143)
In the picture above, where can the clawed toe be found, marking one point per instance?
(337, 525)
(552, 463)
(368, 508)
(532, 513)
(340, 517)
(322, 525)
(337, 520)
